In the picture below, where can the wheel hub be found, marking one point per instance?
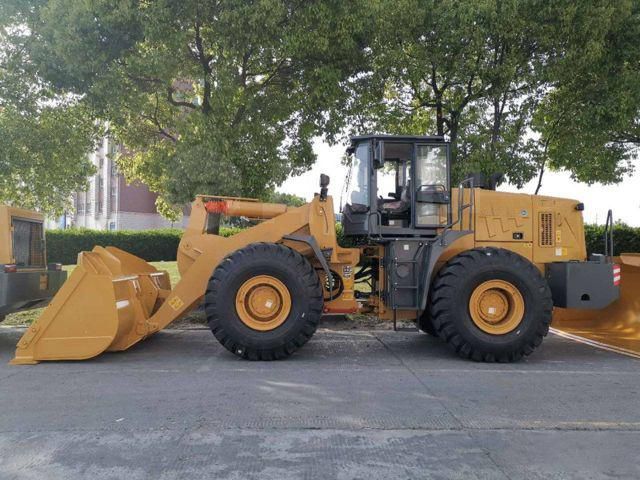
(263, 303)
(496, 307)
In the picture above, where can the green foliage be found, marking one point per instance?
(590, 119)
(209, 96)
(45, 136)
(626, 239)
(44, 157)
(63, 246)
(225, 96)
(286, 198)
(517, 86)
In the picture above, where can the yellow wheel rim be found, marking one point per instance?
(263, 303)
(496, 307)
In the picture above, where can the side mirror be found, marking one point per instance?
(324, 183)
(324, 180)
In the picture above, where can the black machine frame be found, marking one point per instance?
(410, 252)
(369, 222)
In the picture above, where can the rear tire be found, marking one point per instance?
(505, 324)
(237, 314)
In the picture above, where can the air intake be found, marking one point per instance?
(546, 229)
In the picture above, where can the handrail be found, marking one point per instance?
(463, 206)
(608, 236)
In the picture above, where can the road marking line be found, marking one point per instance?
(594, 343)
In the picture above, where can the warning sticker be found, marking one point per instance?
(346, 271)
(176, 303)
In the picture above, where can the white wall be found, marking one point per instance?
(146, 221)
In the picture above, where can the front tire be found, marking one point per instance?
(264, 301)
(425, 324)
(491, 304)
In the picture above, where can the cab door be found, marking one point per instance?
(431, 192)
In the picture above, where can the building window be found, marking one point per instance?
(112, 225)
(80, 203)
(114, 196)
(100, 194)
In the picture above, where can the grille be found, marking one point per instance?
(28, 243)
(546, 229)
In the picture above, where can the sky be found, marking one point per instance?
(623, 198)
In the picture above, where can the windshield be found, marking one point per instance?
(357, 182)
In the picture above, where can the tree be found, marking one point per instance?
(44, 137)
(44, 157)
(286, 198)
(225, 96)
(517, 86)
(454, 68)
(589, 121)
(207, 96)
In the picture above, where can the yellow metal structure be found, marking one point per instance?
(263, 303)
(26, 279)
(617, 326)
(105, 305)
(114, 299)
(496, 307)
(549, 229)
(6, 214)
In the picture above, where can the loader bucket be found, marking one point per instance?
(616, 327)
(103, 306)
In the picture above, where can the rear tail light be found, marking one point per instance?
(616, 274)
(54, 266)
(10, 269)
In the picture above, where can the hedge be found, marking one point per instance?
(63, 246)
(155, 245)
(626, 239)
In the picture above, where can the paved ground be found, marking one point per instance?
(368, 405)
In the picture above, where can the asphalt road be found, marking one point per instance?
(350, 405)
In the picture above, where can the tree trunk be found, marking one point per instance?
(497, 122)
(453, 138)
(542, 165)
(439, 118)
(540, 177)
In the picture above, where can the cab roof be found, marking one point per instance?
(399, 138)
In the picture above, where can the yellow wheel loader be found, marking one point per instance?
(26, 279)
(487, 272)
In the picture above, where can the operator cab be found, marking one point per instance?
(397, 186)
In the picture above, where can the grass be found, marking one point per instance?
(27, 317)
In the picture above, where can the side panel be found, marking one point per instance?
(20, 290)
(559, 230)
(5, 236)
(586, 285)
(503, 217)
(6, 240)
(542, 229)
(500, 219)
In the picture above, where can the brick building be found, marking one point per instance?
(112, 204)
